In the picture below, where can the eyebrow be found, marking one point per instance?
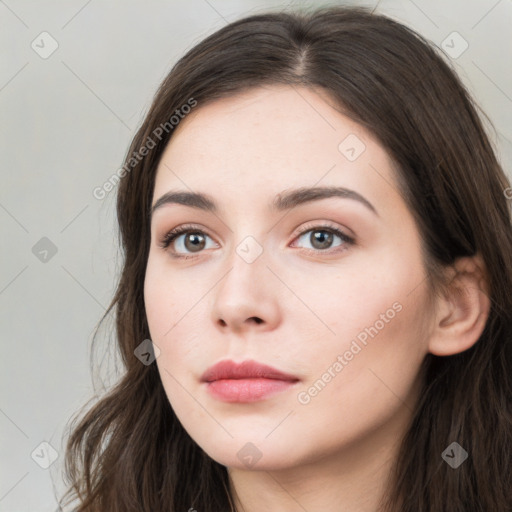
(283, 201)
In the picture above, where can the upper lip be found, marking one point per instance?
(244, 370)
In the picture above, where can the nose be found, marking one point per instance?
(247, 297)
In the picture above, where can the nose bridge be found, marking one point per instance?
(248, 252)
(246, 292)
(246, 269)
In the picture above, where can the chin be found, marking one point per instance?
(242, 454)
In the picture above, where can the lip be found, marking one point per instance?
(248, 381)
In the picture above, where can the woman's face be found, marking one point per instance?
(266, 277)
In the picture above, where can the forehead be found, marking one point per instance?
(268, 139)
(279, 116)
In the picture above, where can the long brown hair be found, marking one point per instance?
(129, 452)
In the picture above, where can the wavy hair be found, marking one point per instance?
(129, 452)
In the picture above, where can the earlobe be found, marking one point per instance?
(462, 311)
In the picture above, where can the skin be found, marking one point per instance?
(333, 452)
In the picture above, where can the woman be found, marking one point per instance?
(314, 310)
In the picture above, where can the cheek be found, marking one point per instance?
(337, 305)
(356, 387)
(159, 306)
(166, 305)
(375, 356)
(176, 315)
(167, 298)
(374, 336)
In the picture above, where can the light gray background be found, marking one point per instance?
(67, 121)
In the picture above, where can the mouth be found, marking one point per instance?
(248, 381)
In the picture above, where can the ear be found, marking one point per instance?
(463, 308)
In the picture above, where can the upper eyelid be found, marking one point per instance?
(183, 228)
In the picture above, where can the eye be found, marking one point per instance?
(321, 239)
(193, 241)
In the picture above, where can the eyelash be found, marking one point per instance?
(170, 236)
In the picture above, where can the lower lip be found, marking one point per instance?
(246, 390)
